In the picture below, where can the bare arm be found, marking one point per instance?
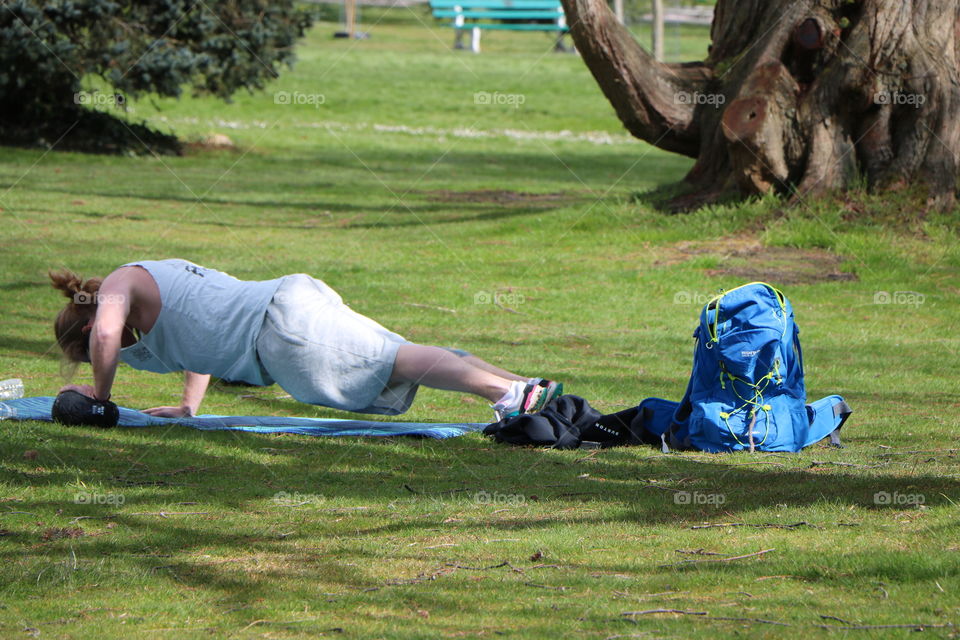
(113, 307)
(194, 388)
(106, 334)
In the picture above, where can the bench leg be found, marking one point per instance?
(458, 39)
(475, 40)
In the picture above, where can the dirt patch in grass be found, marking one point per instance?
(495, 196)
(56, 533)
(749, 260)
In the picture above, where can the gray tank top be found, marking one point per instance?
(208, 323)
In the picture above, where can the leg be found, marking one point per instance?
(486, 366)
(438, 368)
(453, 370)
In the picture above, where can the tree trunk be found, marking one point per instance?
(798, 97)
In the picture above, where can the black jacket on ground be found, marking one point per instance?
(569, 422)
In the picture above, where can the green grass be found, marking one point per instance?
(410, 199)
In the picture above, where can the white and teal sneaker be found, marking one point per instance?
(527, 397)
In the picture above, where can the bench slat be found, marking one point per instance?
(495, 4)
(513, 27)
(523, 27)
(466, 15)
(499, 15)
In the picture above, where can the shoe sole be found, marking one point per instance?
(547, 393)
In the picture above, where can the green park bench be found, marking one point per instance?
(506, 15)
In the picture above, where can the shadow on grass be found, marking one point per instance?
(681, 197)
(429, 174)
(46, 349)
(401, 214)
(224, 514)
(21, 285)
(86, 130)
(384, 469)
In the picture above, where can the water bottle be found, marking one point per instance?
(11, 389)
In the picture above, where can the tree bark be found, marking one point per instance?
(797, 97)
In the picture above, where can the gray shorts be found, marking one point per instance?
(322, 352)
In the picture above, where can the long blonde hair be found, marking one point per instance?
(68, 327)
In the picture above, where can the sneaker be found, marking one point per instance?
(527, 397)
(538, 394)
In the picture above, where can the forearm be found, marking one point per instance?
(194, 388)
(104, 355)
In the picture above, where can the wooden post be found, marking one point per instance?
(657, 29)
(350, 9)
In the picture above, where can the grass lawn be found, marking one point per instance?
(419, 182)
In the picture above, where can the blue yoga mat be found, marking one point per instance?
(39, 409)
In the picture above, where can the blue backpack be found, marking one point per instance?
(746, 389)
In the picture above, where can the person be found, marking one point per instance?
(174, 315)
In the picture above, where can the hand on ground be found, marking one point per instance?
(169, 412)
(85, 389)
